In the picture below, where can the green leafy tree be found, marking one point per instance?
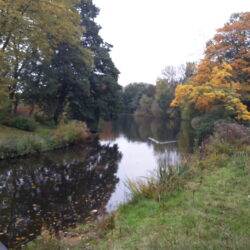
(32, 28)
(103, 100)
(132, 94)
(144, 108)
(56, 81)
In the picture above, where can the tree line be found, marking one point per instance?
(147, 100)
(53, 60)
(217, 87)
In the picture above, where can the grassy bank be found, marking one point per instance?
(215, 216)
(204, 207)
(15, 142)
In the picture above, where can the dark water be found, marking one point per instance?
(56, 190)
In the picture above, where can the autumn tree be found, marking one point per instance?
(222, 77)
(165, 86)
(218, 93)
(231, 44)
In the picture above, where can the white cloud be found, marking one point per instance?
(148, 35)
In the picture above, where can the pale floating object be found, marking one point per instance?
(159, 142)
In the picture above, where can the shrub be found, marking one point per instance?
(23, 123)
(5, 110)
(42, 118)
(22, 146)
(232, 133)
(205, 124)
(70, 133)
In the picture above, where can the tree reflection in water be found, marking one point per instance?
(54, 190)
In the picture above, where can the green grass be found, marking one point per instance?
(6, 132)
(15, 142)
(217, 216)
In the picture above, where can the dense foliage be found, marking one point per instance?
(222, 78)
(149, 100)
(53, 59)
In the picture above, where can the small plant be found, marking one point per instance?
(147, 188)
(23, 123)
(166, 180)
(70, 133)
(42, 118)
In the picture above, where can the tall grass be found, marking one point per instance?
(64, 135)
(165, 180)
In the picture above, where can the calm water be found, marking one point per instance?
(56, 190)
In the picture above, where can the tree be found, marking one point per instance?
(165, 86)
(132, 94)
(32, 29)
(222, 78)
(80, 79)
(144, 108)
(231, 44)
(56, 81)
(156, 110)
(216, 94)
(103, 100)
(164, 93)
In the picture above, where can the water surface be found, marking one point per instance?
(57, 190)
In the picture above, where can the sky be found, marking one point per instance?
(149, 35)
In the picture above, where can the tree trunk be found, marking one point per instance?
(60, 106)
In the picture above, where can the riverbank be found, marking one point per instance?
(15, 142)
(207, 209)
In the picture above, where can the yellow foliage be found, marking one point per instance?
(182, 93)
(218, 91)
(226, 59)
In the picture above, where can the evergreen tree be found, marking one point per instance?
(104, 97)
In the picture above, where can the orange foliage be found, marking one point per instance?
(232, 45)
(223, 76)
(218, 91)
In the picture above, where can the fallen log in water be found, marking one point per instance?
(158, 142)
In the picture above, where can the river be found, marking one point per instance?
(56, 190)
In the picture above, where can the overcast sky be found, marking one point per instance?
(149, 35)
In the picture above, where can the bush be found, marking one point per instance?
(5, 111)
(22, 146)
(70, 133)
(42, 118)
(204, 126)
(232, 133)
(23, 123)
